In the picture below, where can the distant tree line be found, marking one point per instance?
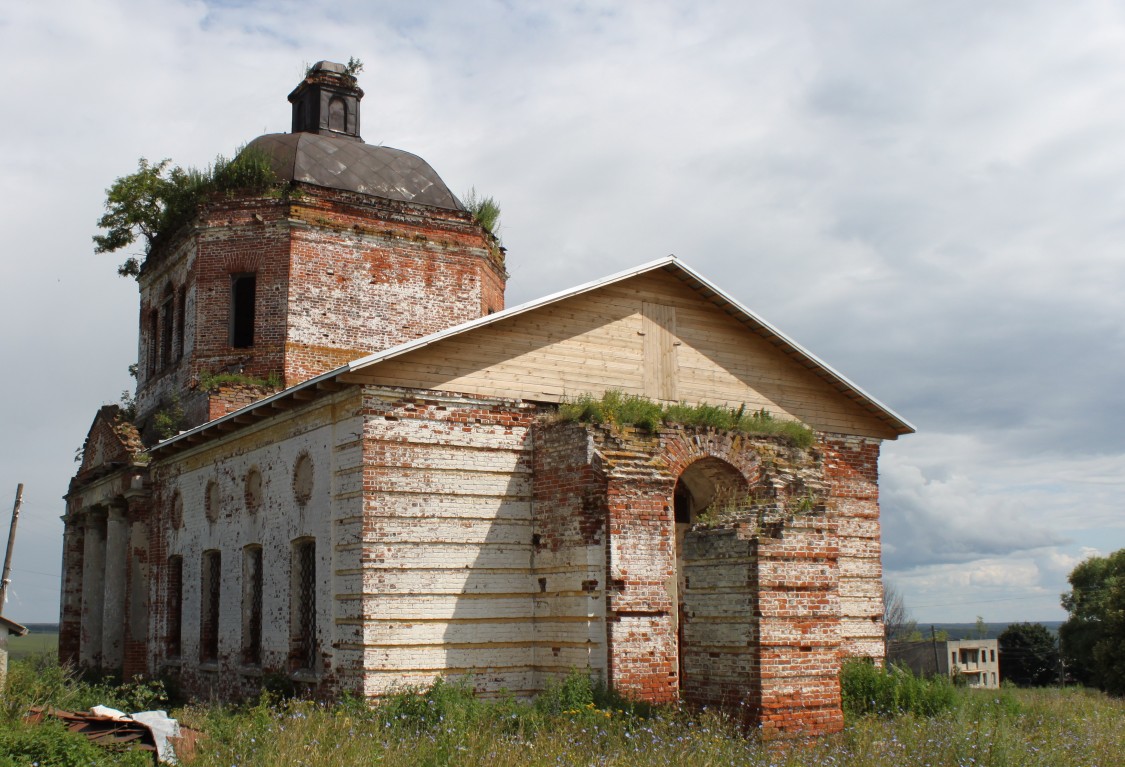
(1089, 649)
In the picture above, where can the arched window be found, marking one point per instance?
(252, 605)
(167, 322)
(210, 582)
(302, 606)
(337, 115)
(181, 320)
(243, 292)
(153, 345)
(175, 624)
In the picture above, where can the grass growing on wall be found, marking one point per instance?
(210, 382)
(615, 407)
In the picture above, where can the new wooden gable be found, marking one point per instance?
(660, 330)
(653, 334)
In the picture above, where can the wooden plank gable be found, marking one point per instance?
(650, 335)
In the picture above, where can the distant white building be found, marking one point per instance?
(974, 661)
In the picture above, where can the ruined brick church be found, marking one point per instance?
(370, 487)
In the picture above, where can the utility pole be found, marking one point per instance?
(933, 639)
(5, 579)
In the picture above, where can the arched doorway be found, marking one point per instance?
(704, 490)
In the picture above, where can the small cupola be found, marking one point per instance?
(327, 102)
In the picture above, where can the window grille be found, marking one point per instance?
(181, 321)
(209, 607)
(167, 327)
(153, 343)
(175, 605)
(303, 650)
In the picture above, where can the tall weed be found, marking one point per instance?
(868, 689)
(49, 743)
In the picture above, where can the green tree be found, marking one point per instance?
(1029, 655)
(158, 199)
(1093, 638)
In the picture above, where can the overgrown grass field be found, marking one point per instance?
(892, 720)
(34, 643)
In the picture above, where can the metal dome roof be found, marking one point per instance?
(353, 166)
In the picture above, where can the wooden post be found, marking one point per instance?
(5, 579)
(937, 663)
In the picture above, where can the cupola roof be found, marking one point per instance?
(325, 147)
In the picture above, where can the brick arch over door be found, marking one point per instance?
(643, 596)
(706, 574)
(680, 448)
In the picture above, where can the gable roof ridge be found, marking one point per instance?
(504, 314)
(801, 350)
(669, 262)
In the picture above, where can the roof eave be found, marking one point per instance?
(902, 425)
(669, 263)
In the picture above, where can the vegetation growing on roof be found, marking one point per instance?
(485, 211)
(159, 198)
(351, 69)
(615, 407)
(215, 381)
(169, 421)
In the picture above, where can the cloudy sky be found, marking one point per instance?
(929, 196)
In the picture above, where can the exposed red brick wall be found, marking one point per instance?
(641, 560)
(569, 491)
(761, 632)
(241, 237)
(851, 470)
(368, 274)
(111, 443)
(799, 639)
(338, 276)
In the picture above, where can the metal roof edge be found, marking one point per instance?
(276, 396)
(418, 343)
(586, 287)
(669, 261)
(796, 346)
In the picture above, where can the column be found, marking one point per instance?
(136, 639)
(70, 607)
(113, 626)
(93, 586)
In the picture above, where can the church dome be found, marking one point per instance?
(325, 147)
(353, 166)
